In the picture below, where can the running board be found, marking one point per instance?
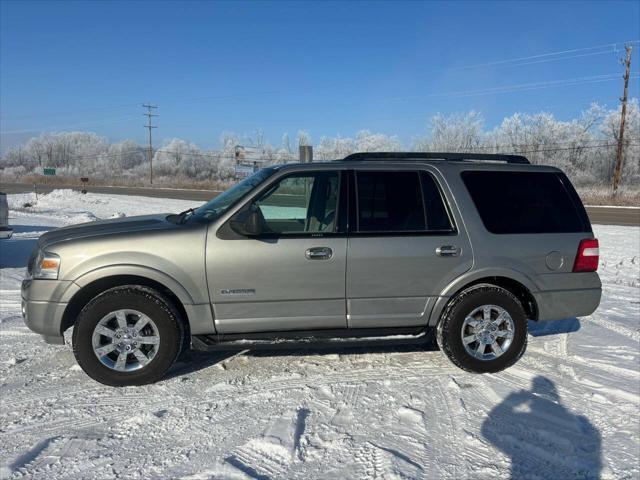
(311, 340)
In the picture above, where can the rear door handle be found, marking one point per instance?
(448, 251)
(318, 253)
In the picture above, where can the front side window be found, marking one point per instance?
(301, 203)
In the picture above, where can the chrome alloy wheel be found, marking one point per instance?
(487, 332)
(125, 340)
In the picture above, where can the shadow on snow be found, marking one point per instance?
(542, 438)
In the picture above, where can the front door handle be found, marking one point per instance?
(448, 251)
(318, 253)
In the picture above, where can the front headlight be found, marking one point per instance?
(46, 266)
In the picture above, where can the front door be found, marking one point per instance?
(291, 276)
(402, 247)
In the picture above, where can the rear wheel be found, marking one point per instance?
(484, 329)
(128, 335)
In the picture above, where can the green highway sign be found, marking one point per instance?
(49, 171)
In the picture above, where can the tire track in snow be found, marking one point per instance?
(616, 327)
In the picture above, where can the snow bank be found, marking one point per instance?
(68, 206)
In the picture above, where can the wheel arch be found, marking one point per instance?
(96, 286)
(516, 287)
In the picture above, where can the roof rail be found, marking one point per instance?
(451, 157)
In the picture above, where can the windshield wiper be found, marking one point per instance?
(181, 217)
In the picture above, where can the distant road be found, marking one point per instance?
(614, 215)
(600, 215)
(180, 194)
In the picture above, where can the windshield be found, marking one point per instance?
(214, 208)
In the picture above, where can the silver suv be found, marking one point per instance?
(376, 247)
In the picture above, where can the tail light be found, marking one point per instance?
(588, 256)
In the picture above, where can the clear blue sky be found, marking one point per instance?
(329, 68)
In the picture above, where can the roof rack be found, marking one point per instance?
(450, 157)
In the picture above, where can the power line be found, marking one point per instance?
(577, 147)
(80, 110)
(568, 82)
(66, 127)
(612, 46)
(580, 55)
(539, 58)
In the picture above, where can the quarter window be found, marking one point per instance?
(437, 215)
(525, 202)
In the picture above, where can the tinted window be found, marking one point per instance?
(524, 202)
(301, 203)
(389, 202)
(436, 212)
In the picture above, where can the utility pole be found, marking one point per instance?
(618, 171)
(149, 125)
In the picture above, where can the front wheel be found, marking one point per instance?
(484, 329)
(128, 335)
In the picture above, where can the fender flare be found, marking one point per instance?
(138, 271)
(473, 277)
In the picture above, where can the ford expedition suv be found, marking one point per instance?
(374, 247)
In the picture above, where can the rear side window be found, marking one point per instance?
(389, 202)
(525, 202)
(400, 202)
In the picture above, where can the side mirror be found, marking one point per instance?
(247, 223)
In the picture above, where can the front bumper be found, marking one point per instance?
(43, 306)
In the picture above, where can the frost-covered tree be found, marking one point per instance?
(367, 141)
(304, 139)
(583, 147)
(331, 148)
(125, 155)
(455, 133)
(285, 144)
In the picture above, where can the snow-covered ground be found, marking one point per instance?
(569, 409)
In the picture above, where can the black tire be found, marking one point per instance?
(452, 320)
(145, 300)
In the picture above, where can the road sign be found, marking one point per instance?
(243, 171)
(84, 181)
(49, 171)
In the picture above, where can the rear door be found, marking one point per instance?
(403, 242)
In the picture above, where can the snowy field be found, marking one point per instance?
(570, 409)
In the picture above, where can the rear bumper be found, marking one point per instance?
(559, 304)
